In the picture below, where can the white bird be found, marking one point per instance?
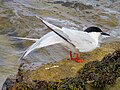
(74, 40)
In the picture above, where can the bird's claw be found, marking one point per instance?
(79, 61)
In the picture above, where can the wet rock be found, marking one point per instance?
(77, 5)
(17, 19)
(7, 0)
(94, 75)
(5, 25)
(10, 83)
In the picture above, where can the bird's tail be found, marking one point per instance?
(24, 38)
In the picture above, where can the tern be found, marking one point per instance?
(74, 40)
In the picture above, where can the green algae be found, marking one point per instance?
(1, 3)
(111, 21)
(68, 68)
(8, 12)
(75, 5)
(23, 87)
(116, 86)
(4, 24)
(94, 75)
(61, 78)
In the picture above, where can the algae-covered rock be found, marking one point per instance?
(94, 75)
(77, 5)
(5, 25)
(110, 20)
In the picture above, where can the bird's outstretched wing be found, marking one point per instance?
(49, 39)
(56, 30)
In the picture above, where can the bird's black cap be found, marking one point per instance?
(96, 29)
(93, 29)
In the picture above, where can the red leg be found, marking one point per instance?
(71, 56)
(76, 58)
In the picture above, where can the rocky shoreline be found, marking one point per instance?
(94, 75)
(18, 20)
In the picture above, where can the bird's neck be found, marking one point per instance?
(95, 36)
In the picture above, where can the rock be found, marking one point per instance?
(94, 75)
(7, 0)
(18, 19)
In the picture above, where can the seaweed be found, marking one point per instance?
(95, 75)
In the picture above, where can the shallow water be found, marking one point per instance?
(24, 24)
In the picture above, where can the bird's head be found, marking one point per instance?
(95, 32)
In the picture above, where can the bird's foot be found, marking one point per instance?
(79, 61)
(76, 58)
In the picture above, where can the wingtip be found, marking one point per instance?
(22, 57)
(39, 17)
